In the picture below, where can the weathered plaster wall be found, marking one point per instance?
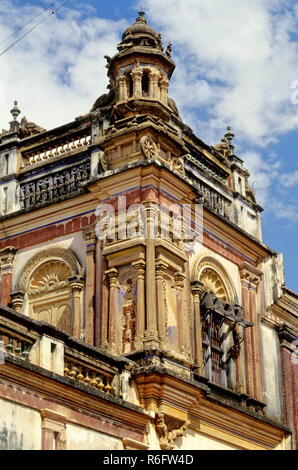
(79, 438)
(197, 441)
(20, 427)
(271, 372)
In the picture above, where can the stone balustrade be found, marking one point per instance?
(92, 376)
(12, 344)
(42, 155)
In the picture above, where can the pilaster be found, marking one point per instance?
(7, 256)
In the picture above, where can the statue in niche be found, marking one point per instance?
(128, 316)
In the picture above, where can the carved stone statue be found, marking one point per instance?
(167, 438)
(223, 147)
(169, 50)
(30, 128)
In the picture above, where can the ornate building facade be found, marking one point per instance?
(140, 308)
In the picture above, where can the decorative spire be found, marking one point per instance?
(15, 111)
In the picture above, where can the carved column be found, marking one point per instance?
(113, 296)
(164, 84)
(250, 277)
(90, 240)
(183, 337)
(160, 269)
(137, 82)
(196, 290)
(77, 286)
(155, 87)
(122, 88)
(150, 213)
(139, 266)
(7, 256)
(254, 281)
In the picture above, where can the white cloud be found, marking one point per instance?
(289, 179)
(237, 55)
(262, 175)
(58, 70)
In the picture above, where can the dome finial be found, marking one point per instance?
(141, 18)
(141, 12)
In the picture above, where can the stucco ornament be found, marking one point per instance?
(148, 147)
(168, 437)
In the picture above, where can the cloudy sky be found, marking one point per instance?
(236, 65)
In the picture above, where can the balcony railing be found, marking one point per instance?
(21, 337)
(63, 148)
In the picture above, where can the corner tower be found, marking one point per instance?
(140, 72)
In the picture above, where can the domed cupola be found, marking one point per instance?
(140, 34)
(140, 72)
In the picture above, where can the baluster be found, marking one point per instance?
(18, 348)
(66, 369)
(38, 159)
(79, 144)
(87, 378)
(25, 353)
(80, 375)
(93, 382)
(73, 372)
(50, 154)
(73, 147)
(85, 141)
(56, 153)
(108, 386)
(100, 384)
(67, 146)
(9, 347)
(62, 149)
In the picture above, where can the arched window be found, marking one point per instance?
(129, 81)
(145, 83)
(220, 315)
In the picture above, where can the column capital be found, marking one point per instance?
(140, 266)
(76, 283)
(179, 278)
(17, 300)
(197, 287)
(113, 276)
(160, 267)
(88, 233)
(250, 275)
(7, 256)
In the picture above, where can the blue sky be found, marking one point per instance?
(236, 62)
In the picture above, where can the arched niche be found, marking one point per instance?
(214, 278)
(45, 283)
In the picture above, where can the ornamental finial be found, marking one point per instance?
(15, 111)
(229, 135)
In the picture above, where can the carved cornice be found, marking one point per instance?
(250, 275)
